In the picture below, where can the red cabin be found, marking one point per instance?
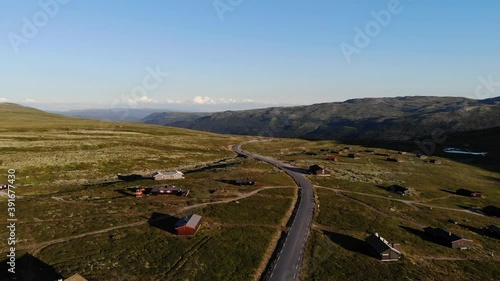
(188, 225)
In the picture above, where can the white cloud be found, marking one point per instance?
(203, 100)
(223, 100)
(3, 100)
(208, 100)
(141, 100)
(172, 101)
(30, 100)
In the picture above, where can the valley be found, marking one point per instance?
(75, 215)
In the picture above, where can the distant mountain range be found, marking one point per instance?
(134, 114)
(399, 118)
(115, 114)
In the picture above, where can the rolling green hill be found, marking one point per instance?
(51, 149)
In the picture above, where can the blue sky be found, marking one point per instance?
(95, 53)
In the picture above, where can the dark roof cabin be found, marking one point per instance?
(160, 190)
(493, 230)
(332, 158)
(354, 156)
(247, 181)
(188, 225)
(382, 249)
(401, 190)
(448, 238)
(466, 192)
(318, 171)
(492, 211)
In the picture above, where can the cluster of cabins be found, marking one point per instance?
(185, 226)
(357, 155)
(386, 251)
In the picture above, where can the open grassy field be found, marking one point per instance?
(51, 152)
(354, 202)
(74, 215)
(372, 173)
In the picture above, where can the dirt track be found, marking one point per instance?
(40, 246)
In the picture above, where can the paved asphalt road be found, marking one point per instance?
(289, 261)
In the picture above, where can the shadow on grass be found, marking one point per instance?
(298, 170)
(385, 188)
(211, 167)
(125, 192)
(108, 183)
(349, 243)
(232, 182)
(133, 177)
(474, 209)
(480, 231)
(476, 230)
(448, 191)
(423, 235)
(163, 222)
(29, 268)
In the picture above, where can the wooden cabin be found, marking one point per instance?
(382, 249)
(449, 239)
(188, 225)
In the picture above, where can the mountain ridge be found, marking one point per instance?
(355, 119)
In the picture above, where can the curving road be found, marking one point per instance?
(289, 260)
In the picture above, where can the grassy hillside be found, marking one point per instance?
(49, 150)
(398, 118)
(167, 118)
